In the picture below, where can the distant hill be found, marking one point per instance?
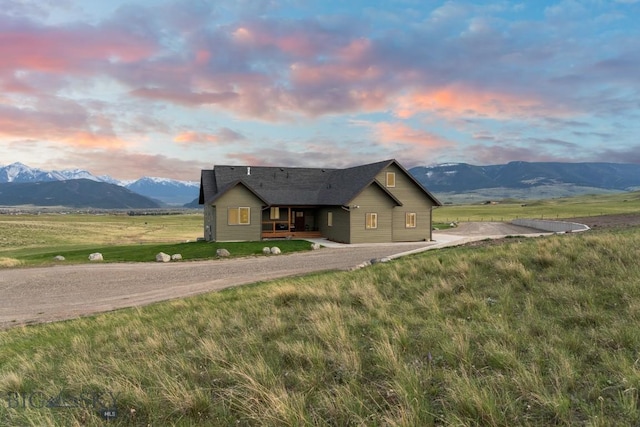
(76, 193)
(528, 180)
(194, 204)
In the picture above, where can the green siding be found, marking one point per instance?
(371, 200)
(413, 200)
(209, 223)
(339, 232)
(238, 196)
(348, 225)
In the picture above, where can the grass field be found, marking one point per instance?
(28, 240)
(507, 210)
(84, 230)
(531, 332)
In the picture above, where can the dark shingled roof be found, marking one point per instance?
(207, 186)
(296, 186)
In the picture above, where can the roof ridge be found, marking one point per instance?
(277, 185)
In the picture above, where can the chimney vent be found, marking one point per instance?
(248, 170)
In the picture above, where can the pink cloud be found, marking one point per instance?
(300, 39)
(197, 137)
(224, 135)
(250, 159)
(277, 69)
(389, 133)
(462, 100)
(87, 139)
(356, 50)
(289, 81)
(335, 74)
(61, 122)
(184, 97)
(68, 50)
(202, 57)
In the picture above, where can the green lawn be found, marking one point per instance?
(147, 252)
(540, 331)
(28, 240)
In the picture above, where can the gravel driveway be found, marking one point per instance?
(45, 294)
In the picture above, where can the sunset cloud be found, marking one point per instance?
(274, 82)
(460, 101)
(184, 97)
(127, 164)
(67, 124)
(401, 133)
(222, 136)
(77, 50)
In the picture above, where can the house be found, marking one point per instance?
(374, 203)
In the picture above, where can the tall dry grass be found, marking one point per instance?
(530, 332)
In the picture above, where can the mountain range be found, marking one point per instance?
(460, 182)
(163, 190)
(451, 183)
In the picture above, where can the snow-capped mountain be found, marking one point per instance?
(168, 191)
(79, 174)
(18, 172)
(110, 180)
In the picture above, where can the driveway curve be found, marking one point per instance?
(46, 294)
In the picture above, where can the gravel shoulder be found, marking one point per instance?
(46, 294)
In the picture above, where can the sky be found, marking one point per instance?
(167, 88)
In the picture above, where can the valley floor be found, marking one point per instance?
(37, 295)
(45, 294)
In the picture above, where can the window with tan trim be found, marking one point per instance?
(274, 213)
(239, 216)
(371, 221)
(391, 179)
(410, 220)
(330, 219)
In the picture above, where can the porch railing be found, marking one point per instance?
(275, 226)
(279, 229)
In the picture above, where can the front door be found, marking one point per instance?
(298, 220)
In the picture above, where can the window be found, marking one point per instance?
(239, 216)
(391, 179)
(275, 213)
(371, 221)
(330, 219)
(410, 220)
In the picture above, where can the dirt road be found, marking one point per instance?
(36, 295)
(487, 229)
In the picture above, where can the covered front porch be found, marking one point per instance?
(290, 222)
